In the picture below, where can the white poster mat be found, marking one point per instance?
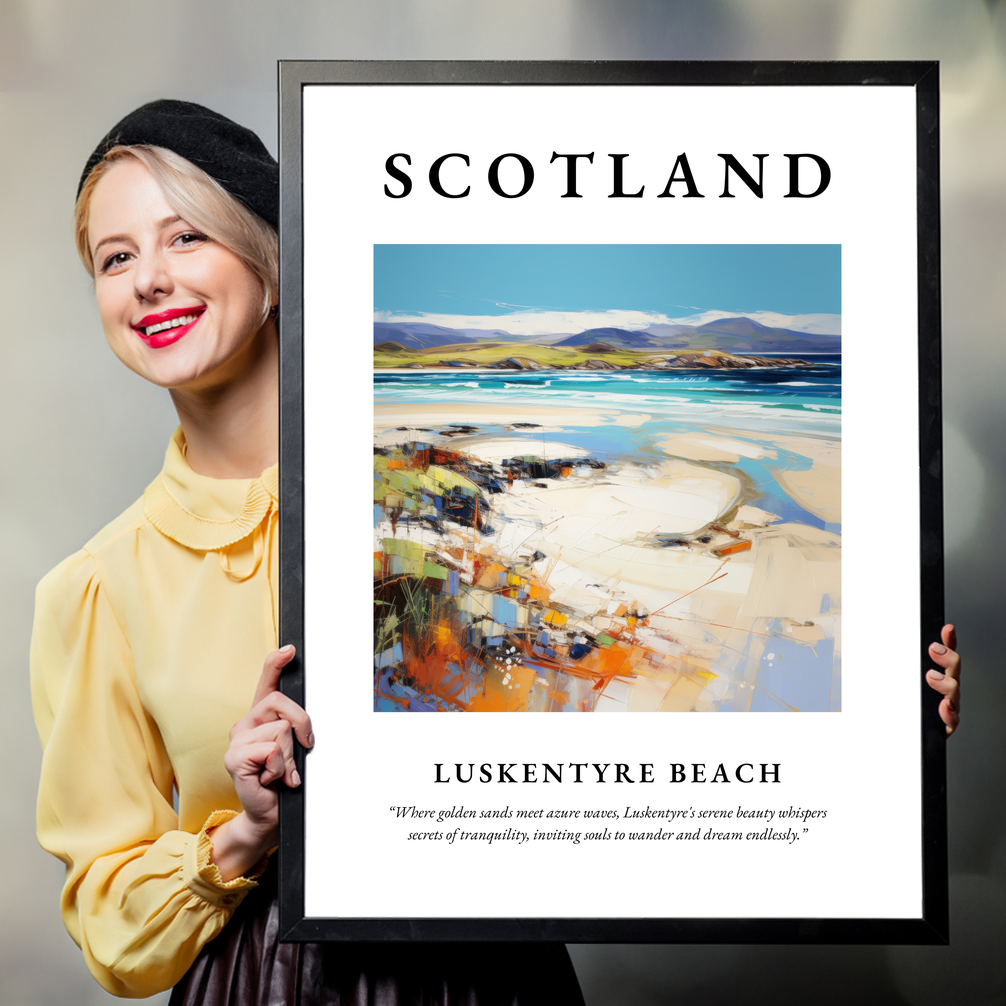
(861, 765)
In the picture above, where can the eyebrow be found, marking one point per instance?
(111, 238)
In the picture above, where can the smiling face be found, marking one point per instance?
(177, 307)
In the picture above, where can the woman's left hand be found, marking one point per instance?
(947, 682)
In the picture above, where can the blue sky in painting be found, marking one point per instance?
(667, 280)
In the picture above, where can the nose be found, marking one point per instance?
(152, 276)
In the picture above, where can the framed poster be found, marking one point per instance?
(610, 406)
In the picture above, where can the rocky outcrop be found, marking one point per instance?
(597, 365)
(718, 361)
(518, 363)
(712, 360)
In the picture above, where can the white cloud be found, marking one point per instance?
(543, 323)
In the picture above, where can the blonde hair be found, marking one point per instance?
(199, 200)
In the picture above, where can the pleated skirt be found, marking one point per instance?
(246, 965)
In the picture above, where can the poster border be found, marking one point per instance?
(933, 925)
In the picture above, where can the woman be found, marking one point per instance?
(149, 642)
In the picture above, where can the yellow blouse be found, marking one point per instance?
(147, 647)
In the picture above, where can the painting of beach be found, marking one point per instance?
(607, 478)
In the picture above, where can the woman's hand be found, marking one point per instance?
(947, 682)
(260, 753)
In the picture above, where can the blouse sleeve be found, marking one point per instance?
(141, 898)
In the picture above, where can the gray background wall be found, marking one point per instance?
(82, 436)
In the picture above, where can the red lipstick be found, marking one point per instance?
(166, 327)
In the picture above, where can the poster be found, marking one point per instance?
(609, 405)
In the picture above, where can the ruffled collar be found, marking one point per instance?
(203, 513)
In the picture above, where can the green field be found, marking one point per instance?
(484, 354)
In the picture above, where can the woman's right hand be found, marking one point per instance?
(259, 754)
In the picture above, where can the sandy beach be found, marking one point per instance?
(517, 569)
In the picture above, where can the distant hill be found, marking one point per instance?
(727, 335)
(668, 331)
(731, 335)
(419, 335)
(614, 337)
(739, 335)
(737, 326)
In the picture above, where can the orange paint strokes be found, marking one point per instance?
(740, 546)
(504, 691)
(427, 662)
(719, 529)
(598, 667)
(444, 638)
(445, 459)
(490, 575)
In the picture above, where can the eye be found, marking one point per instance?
(115, 261)
(189, 239)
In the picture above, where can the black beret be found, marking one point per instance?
(230, 154)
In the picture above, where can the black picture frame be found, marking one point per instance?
(931, 927)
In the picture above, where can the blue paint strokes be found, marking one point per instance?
(388, 692)
(503, 610)
(770, 494)
(800, 671)
(389, 657)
